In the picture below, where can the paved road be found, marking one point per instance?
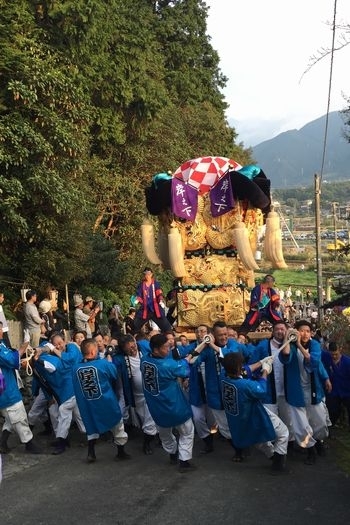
(64, 490)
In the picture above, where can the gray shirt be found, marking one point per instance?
(32, 319)
(5, 326)
(81, 321)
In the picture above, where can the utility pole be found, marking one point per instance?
(318, 246)
(334, 210)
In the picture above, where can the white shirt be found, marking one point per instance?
(278, 370)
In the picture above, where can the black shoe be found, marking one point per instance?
(311, 456)
(4, 448)
(238, 457)
(48, 430)
(57, 441)
(122, 455)
(91, 457)
(186, 466)
(60, 447)
(147, 448)
(208, 444)
(32, 448)
(173, 459)
(320, 448)
(279, 464)
(291, 448)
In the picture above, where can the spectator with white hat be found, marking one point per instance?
(82, 319)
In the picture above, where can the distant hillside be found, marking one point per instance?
(331, 192)
(292, 158)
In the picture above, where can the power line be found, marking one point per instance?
(329, 90)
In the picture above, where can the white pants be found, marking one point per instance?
(120, 437)
(203, 420)
(66, 411)
(221, 420)
(186, 437)
(53, 411)
(16, 420)
(309, 424)
(147, 423)
(282, 410)
(38, 410)
(280, 444)
(33, 336)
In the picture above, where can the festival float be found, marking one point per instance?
(212, 215)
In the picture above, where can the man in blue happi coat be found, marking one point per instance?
(94, 386)
(127, 359)
(203, 417)
(337, 366)
(249, 421)
(303, 387)
(215, 349)
(275, 399)
(166, 400)
(56, 368)
(11, 402)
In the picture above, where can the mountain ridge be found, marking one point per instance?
(293, 157)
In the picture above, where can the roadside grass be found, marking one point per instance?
(342, 447)
(289, 277)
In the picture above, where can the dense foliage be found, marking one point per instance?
(335, 191)
(95, 97)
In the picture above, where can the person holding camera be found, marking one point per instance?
(115, 322)
(84, 321)
(92, 308)
(129, 322)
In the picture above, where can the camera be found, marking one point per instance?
(206, 339)
(111, 350)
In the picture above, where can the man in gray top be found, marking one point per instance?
(32, 321)
(81, 319)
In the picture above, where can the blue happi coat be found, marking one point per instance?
(164, 396)
(292, 383)
(339, 375)
(247, 418)
(9, 362)
(60, 379)
(144, 346)
(261, 350)
(122, 364)
(93, 383)
(213, 370)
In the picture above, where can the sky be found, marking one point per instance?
(265, 46)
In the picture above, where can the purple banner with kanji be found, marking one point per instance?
(184, 199)
(221, 198)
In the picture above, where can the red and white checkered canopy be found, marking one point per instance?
(204, 172)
